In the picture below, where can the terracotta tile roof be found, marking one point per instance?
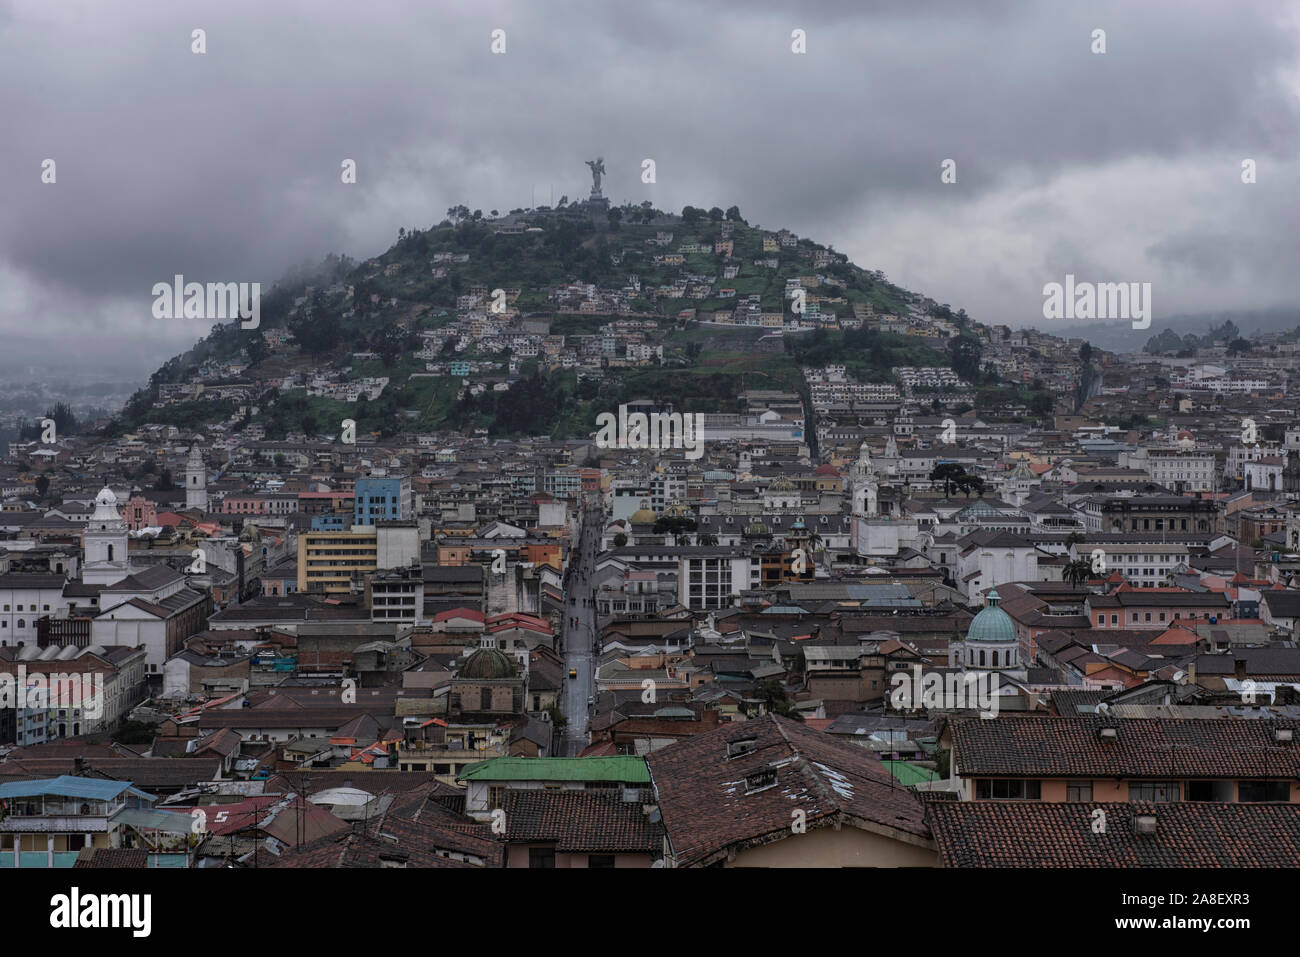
(1046, 746)
(1054, 834)
(357, 849)
(580, 821)
(706, 810)
(149, 774)
(117, 858)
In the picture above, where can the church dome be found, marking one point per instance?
(488, 663)
(644, 515)
(106, 497)
(992, 624)
(782, 484)
(756, 529)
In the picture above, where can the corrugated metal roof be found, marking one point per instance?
(66, 785)
(170, 822)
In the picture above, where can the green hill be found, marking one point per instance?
(351, 320)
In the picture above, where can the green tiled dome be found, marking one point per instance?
(992, 624)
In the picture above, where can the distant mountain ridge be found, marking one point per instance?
(1122, 337)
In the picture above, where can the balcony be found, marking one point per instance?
(54, 824)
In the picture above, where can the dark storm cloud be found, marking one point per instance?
(225, 166)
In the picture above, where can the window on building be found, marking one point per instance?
(1200, 790)
(992, 789)
(541, 857)
(741, 746)
(1250, 791)
(1160, 792)
(1079, 792)
(600, 860)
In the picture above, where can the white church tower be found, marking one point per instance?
(196, 481)
(105, 543)
(864, 484)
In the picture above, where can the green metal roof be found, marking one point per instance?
(992, 624)
(909, 774)
(626, 769)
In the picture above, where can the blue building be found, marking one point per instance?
(51, 822)
(382, 500)
(330, 522)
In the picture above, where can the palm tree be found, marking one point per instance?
(1078, 571)
(706, 538)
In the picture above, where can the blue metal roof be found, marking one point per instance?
(66, 785)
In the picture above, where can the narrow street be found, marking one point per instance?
(578, 639)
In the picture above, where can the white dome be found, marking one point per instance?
(105, 513)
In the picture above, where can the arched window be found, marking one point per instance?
(22, 623)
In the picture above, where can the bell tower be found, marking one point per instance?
(105, 543)
(196, 481)
(864, 484)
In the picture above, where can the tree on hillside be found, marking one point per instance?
(965, 352)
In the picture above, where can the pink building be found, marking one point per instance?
(139, 512)
(243, 505)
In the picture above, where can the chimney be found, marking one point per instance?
(1144, 824)
(1108, 733)
(1283, 735)
(1239, 668)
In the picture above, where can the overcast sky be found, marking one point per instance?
(225, 166)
